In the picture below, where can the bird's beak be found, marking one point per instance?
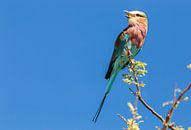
(127, 14)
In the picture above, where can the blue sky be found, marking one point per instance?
(54, 56)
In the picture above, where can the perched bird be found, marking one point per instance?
(130, 39)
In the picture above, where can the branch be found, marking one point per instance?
(139, 92)
(150, 108)
(139, 97)
(176, 102)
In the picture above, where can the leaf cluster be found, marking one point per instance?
(136, 69)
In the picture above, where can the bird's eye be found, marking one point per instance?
(138, 15)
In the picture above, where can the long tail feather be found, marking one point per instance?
(99, 109)
(108, 88)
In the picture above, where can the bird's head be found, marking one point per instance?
(136, 17)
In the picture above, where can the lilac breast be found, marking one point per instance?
(137, 33)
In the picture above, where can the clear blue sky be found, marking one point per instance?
(54, 55)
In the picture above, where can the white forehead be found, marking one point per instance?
(137, 12)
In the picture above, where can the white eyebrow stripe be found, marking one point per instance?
(138, 12)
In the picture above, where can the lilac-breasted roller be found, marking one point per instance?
(130, 39)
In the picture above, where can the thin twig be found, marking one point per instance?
(123, 118)
(134, 93)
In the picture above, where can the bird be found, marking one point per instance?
(130, 39)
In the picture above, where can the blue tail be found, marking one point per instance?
(108, 88)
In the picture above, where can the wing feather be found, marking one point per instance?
(115, 54)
